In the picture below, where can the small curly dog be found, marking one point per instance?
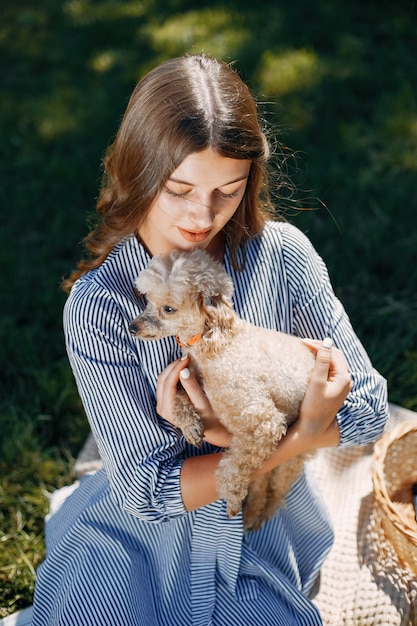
(254, 378)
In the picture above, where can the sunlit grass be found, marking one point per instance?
(104, 60)
(25, 484)
(216, 31)
(24, 504)
(290, 71)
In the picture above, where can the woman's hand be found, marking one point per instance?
(316, 426)
(328, 388)
(166, 391)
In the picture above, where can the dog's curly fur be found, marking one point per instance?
(254, 378)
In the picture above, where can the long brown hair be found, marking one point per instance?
(183, 106)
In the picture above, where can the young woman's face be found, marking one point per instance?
(199, 198)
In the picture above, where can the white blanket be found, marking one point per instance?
(361, 582)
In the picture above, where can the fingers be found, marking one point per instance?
(315, 344)
(171, 372)
(324, 354)
(166, 389)
(194, 391)
(330, 361)
(323, 359)
(327, 390)
(330, 381)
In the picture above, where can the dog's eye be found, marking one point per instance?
(168, 309)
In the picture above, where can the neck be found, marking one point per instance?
(216, 248)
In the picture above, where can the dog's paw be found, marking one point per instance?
(232, 509)
(194, 434)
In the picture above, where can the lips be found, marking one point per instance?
(194, 237)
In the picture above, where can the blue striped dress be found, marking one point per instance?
(122, 550)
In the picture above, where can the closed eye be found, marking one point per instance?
(172, 193)
(228, 195)
(175, 195)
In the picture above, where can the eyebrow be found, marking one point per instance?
(184, 182)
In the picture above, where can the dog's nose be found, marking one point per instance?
(133, 329)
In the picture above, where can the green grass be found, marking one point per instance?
(340, 81)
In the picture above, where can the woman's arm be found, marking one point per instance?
(142, 455)
(315, 428)
(317, 312)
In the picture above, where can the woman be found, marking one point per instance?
(146, 540)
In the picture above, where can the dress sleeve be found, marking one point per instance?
(142, 454)
(318, 313)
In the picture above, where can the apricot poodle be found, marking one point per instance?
(254, 378)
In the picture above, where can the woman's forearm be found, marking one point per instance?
(198, 475)
(198, 480)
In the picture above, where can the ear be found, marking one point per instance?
(219, 320)
(142, 282)
(217, 311)
(218, 287)
(208, 300)
(138, 292)
(151, 278)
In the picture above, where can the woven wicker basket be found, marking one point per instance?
(393, 473)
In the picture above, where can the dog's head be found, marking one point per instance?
(188, 294)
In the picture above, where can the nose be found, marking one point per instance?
(133, 329)
(201, 211)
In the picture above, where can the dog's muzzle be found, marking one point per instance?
(133, 328)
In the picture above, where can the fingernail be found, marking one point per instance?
(185, 373)
(327, 343)
(184, 356)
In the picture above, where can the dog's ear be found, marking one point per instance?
(215, 300)
(139, 294)
(217, 310)
(219, 319)
(208, 300)
(152, 277)
(215, 287)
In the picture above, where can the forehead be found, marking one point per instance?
(211, 169)
(173, 294)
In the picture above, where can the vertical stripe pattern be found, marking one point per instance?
(122, 549)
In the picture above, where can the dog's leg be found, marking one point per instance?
(248, 450)
(255, 503)
(281, 480)
(234, 474)
(186, 418)
(267, 493)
